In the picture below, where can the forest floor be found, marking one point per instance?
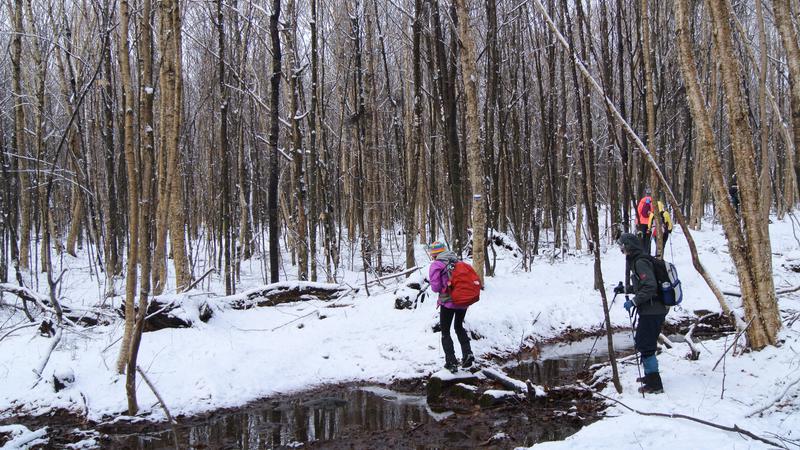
(239, 357)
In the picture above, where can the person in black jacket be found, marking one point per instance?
(647, 304)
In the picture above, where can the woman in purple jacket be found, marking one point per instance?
(439, 277)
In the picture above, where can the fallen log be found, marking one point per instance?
(444, 379)
(520, 387)
(282, 292)
(179, 311)
(183, 310)
(73, 315)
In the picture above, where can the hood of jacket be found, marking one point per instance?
(631, 244)
(447, 256)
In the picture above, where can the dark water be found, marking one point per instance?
(325, 419)
(558, 364)
(292, 423)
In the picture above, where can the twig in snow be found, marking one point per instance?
(695, 354)
(53, 345)
(27, 325)
(296, 319)
(735, 428)
(788, 290)
(163, 405)
(735, 340)
(724, 372)
(775, 400)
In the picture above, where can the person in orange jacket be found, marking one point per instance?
(643, 211)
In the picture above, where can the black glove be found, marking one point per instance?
(619, 289)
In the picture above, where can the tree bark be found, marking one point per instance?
(761, 304)
(297, 151)
(272, 199)
(783, 20)
(474, 159)
(446, 77)
(19, 141)
(147, 145)
(226, 210)
(133, 184)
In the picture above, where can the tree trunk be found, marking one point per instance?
(763, 129)
(446, 77)
(133, 184)
(475, 161)
(19, 141)
(650, 109)
(226, 211)
(275, 84)
(313, 151)
(413, 152)
(783, 20)
(298, 173)
(147, 146)
(761, 304)
(110, 209)
(177, 221)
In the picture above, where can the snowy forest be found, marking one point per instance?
(221, 223)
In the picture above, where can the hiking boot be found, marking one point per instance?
(452, 367)
(652, 384)
(468, 361)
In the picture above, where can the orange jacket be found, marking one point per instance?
(644, 209)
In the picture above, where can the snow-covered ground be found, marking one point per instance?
(239, 356)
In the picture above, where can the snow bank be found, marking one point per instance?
(240, 356)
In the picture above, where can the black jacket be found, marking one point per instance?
(642, 277)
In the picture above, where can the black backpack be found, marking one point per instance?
(670, 291)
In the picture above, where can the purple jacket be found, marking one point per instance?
(439, 278)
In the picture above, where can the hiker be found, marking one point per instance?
(666, 228)
(439, 278)
(643, 210)
(733, 191)
(646, 304)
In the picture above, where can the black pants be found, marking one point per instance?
(445, 319)
(647, 330)
(644, 230)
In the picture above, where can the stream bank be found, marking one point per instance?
(399, 414)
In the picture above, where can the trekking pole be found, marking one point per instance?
(633, 327)
(601, 324)
(421, 293)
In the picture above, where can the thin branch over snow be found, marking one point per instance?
(775, 400)
(735, 428)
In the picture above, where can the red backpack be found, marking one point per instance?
(464, 284)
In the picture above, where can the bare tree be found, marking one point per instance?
(275, 80)
(133, 183)
(474, 158)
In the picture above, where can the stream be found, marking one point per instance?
(375, 416)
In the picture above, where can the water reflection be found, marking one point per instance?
(559, 363)
(295, 422)
(321, 418)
